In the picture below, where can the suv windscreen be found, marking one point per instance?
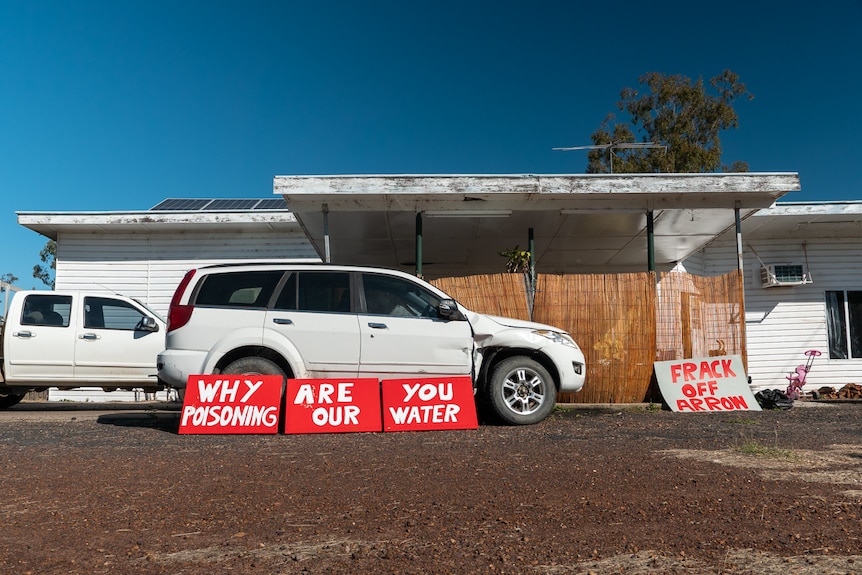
(238, 289)
(316, 291)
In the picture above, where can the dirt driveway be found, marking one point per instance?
(619, 490)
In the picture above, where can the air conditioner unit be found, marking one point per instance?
(776, 275)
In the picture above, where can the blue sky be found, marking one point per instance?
(116, 105)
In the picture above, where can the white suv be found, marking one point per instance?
(330, 321)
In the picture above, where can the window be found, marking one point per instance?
(47, 310)
(316, 291)
(386, 295)
(844, 324)
(109, 313)
(238, 289)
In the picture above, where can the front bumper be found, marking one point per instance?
(570, 366)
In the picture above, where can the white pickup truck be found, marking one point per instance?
(70, 339)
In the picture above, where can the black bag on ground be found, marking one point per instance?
(773, 399)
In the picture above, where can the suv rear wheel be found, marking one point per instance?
(521, 391)
(254, 366)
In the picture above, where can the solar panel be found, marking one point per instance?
(222, 204)
(271, 204)
(231, 204)
(185, 205)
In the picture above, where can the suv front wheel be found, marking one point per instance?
(521, 391)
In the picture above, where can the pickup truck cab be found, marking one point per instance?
(330, 321)
(70, 339)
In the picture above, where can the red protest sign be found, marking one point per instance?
(705, 384)
(231, 404)
(332, 405)
(428, 403)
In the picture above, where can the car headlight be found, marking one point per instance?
(557, 337)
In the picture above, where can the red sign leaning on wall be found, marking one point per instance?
(425, 403)
(332, 405)
(231, 404)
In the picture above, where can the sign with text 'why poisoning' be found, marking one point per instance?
(705, 384)
(231, 404)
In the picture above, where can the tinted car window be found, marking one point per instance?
(240, 289)
(47, 310)
(386, 295)
(109, 313)
(316, 291)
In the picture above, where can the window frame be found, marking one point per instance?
(844, 323)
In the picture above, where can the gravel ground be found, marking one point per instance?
(590, 490)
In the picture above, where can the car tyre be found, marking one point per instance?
(10, 399)
(521, 391)
(255, 366)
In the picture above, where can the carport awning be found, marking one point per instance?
(581, 223)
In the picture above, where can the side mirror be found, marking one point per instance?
(148, 324)
(448, 309)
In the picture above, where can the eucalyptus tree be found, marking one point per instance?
(673, 126)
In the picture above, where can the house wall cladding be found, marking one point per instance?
(782, 323)
(148, 266)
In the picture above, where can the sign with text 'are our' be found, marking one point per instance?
(231, 404)
(705, 384)
(429, 403)
(332, 405)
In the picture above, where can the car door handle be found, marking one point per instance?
(282, 321)
(377, 325)
(23, 334)
(88, 336)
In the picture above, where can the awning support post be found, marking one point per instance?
(743, 335)
(738, 237)
(532, 248)
(419, 244)
(327, 258)
(650, 230)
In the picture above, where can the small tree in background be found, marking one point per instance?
(48, 255)
(683, 116)
(9, 278)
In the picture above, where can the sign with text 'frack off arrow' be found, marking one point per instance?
(705, 384)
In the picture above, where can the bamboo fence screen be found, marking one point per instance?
(492, 294)
(612, 317)
(700, 316)
(622, 322)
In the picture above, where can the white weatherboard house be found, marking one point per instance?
(803, 290)
(144, 254)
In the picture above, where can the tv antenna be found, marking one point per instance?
(616, 146)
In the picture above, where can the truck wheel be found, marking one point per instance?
(9, 399)
(521, 391)
(254, 365)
